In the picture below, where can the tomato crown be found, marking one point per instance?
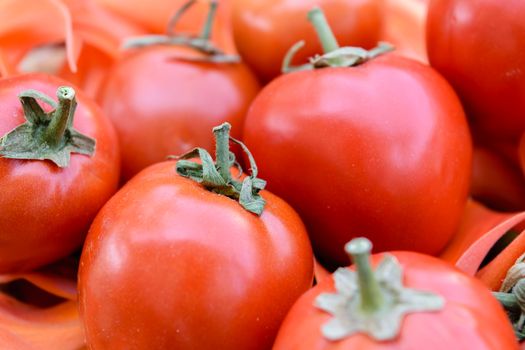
(334, 55)
(47, 135)
(200, 43)
(365, 299)
(217, 177)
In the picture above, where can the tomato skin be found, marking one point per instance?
(169, 265)
(47, 210)
(161, 106)
(471, 318)
(353, 153)
(279, 24)
(482, 58)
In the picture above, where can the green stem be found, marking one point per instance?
(177, 16)
(222, 150)
(62, 116)
(370, 292)
(208, 25)
(324, 32)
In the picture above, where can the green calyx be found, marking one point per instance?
(334, 56)
(199, 42)
(216, 176)
(512, 296)
(44, 135)
(373, 302)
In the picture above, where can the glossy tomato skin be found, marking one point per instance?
(279, 24)
(471, 319)
(163, 105)
(47, 210)
(478, 47)
(380, 150)
(170, 265)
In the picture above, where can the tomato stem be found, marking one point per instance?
(199, 42)
(170, 31)
(62, 117)
(334, 56)
(208, 25)
(370, 291)
(216, 177)
(222, 150)
(324, 32)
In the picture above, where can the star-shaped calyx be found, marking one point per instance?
(371, 302)
(47, 135)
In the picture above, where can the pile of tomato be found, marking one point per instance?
(216, 174)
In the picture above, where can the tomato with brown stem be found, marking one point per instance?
(382, 148)
(205, 262)
(406, 300)
(49, 196)
(162, 98)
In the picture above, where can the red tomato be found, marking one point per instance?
(470, 319)
(46, 210)
(478, 46)
(276, 25)
(162, 104)
(496, 181)
(381, 149)
(168, 264)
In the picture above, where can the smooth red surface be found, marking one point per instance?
(264, 30)
(163, 106)
(497, 181)
(478, 46)
(471, 318)
(46, 210)
(381, 150)
(170, 265)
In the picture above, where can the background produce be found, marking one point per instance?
(420, 149)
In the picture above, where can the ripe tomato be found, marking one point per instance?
(354, 154)
(163, 103)
(279, 24)
(477, 45)
(46, 210)
(496, 181)
(168, 264)
(469, 318)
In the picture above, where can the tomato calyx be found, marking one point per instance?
(334, 55)
(216, 177)
(371, 302)
(48, 135)
(512, 296)
(200, 43)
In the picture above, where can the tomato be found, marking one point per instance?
(168, 264)
(351, 150)
(468, 317)
(46, 209)
(496, 181)
(483, 60)
(163, 98)
(279, 24)
(162, 104)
